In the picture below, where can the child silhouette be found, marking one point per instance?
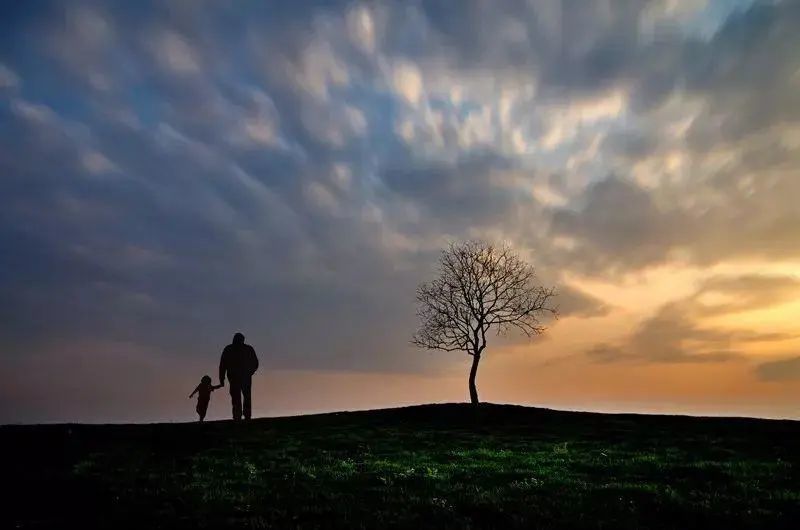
(203, 392)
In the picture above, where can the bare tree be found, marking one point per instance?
(479, 287)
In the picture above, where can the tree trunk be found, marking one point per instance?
(473, 391)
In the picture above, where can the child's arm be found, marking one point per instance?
(194, 392)
(214, 387)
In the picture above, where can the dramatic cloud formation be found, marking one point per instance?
(171, 172)
(673, 334)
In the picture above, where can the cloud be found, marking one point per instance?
(699, 152)
(408, 82)
(361, 26)
(617, 224)
(675, 332)
(175, 54)
(730, 294)
(574, 302)
(8, 79)
(780, 370)
(96, 163)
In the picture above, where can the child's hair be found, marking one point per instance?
(206, 379)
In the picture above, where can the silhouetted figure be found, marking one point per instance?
(203, 392)
(239, 361)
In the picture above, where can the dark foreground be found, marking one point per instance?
(436, 466)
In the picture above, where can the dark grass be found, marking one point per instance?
(433, 466)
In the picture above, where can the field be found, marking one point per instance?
(432, 466)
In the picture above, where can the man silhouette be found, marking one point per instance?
(239, 361)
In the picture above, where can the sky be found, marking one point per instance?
(172, 172)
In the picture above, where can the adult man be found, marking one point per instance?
(239, 361)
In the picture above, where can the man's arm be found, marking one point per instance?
(253, 361)
(222, 369)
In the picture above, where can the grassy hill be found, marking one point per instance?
(431, 466)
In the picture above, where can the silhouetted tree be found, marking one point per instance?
(479, 287)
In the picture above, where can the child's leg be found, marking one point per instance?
(202, 408)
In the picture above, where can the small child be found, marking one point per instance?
(203, 392)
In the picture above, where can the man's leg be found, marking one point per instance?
(246, 384)
(236, 399)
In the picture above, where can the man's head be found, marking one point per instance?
(238, 338)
